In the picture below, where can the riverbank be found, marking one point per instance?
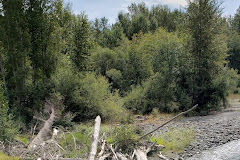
(211, 131)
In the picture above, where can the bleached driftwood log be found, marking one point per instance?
(44, 132)
(140, 154)
(93, 152)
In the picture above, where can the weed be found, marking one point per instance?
(23, 138)
(155, 112)
(175, 140)
(5, 157)
(125, 137)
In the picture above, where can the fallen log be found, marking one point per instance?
(180, 114)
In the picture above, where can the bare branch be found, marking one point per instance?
(180, 114)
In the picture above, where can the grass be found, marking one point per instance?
(175, 140)
(234, 96)
(5, 157)
(82, 134)
(23, 138)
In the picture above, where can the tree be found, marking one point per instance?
(234, 51)
(7, 129)
(81, 40)
(236, 21)
(41, 27)
(15, 41)
(234, 42)
(208, 52)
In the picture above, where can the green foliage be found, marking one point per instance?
(23, 138)
(234, 51)
(155, 112)
(87, 95)
(175, 140)
(236, 21)
(208, 48)
(81, 137)
(125, 137)
(8, 128)
(81, 40)
(140, 19)
(163, 54)
(5, 157)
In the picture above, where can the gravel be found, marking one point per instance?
(211, 131)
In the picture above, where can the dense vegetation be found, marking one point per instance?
(149, 59)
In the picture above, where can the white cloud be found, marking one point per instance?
(149, 3)
(175, 2)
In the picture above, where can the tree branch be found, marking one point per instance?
(180, 114)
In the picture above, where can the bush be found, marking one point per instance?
(153, 93)
(125, 137)
(87, 95)
(8, 129)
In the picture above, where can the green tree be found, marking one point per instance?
(15, 41)
(234, 51)
(41, 27)
(208, 50)
(8, 129)
(236, 21)
(82, 44)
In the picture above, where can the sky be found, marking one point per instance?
(110, 8)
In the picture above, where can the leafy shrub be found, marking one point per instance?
(125, 137)
(8, 129)
(155, 112)
(87, 95)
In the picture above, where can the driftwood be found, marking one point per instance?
(180, 114)
(162, 157)
(121, 156)
(44, 132)
(100, 154)
(140, 154)
(93, 152)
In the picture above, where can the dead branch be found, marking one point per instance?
(162, 157)
(95, 138)
(121, 156)
(102, 149)
(150, 147)
(44, 132)
(180, 114)
(104, 156)
(111, 148)
(74, 140)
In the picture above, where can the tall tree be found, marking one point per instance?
(236, 21)
(208, 52)
(234, 42)
(41, 26)
(81, 40)
(15, 40)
